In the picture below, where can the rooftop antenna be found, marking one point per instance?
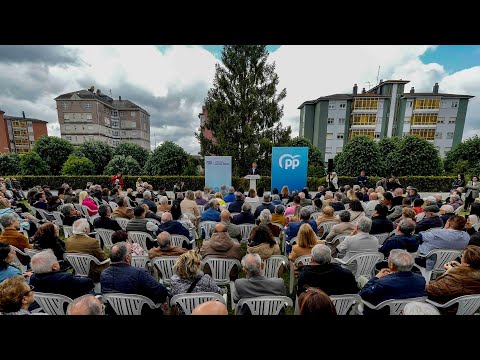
(110, 92)
(378, 73)
(369, 84)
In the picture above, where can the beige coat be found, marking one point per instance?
(122, 212)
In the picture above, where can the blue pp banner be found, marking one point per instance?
(218, 171)
(289, 167)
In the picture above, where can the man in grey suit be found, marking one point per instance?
(256, 284)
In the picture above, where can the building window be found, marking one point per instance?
(365, 104)
(455, 104)
(424, 119)
(377, 135)
(427, 134)
(438, 135)
(407, 120)
(69, 138)
(88, 106)
(65, 105)
(330, 121)
(331, 106)
(115, 113)
(339, 136)
(362, 132)
(329, 136)
(410, 103)
(379, 120)
(427, 104)
(449, 135)
(339, 149)
(363, 119)
(452, 120)
(122, 113)
(328, 150)
(341, 121)
(132, 113)
(443, 104)
(440, 120)
(343, 106)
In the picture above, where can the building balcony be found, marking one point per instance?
(364, 111)
(430, 111)
(366, 126)
(423, 126)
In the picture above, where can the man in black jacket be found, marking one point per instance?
(380, 223)
(104, 221)
(321, 273)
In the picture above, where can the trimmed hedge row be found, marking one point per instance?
(422, 183)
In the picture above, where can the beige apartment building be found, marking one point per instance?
(18, 133)
(91, 115)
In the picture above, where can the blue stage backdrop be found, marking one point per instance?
(218, 171)
(289, 167)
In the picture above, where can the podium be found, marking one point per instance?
(253, 181)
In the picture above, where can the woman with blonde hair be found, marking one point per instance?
(86, 200)
(285, 194)
(306, 240)
(351, 196)
(252, 196)
(407, 213)
(219, 197)
(380, 191)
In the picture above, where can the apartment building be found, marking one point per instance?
(88, 115)
(384, 111)
(18, 133)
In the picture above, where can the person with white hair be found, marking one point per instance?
(80, 242)
(230, 197)
(48, 278)
(147, 199)
(446, 212)
(174, 227)
(266, 204)
(86, 305)
(431, 219)
(419, 308)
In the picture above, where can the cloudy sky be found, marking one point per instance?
(171, 82)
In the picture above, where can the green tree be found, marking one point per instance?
(32, 164)
(54, 151)
(475, 170)
(99, 152)
(9, 164)
(388, 148)
(316, 161)
(360, 153)
(140, 154)
(191, 168)
(127, 165)
(468, 150)
(167, 159)
(417, 157)
(76, 165)
(243, 106)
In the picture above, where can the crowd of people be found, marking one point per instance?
(329, 227)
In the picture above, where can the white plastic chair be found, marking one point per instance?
(155, 221)
(459, 210)
(113, 205)
(396, 305)
(467, 304)
(52, 304)
(207, 226)
(220, 270)
(265, 305)
(382, 237)
(343, 303)
(106, 236)
(188, 302)
(315, 215)
(67, 231)
(141, 238)
(443, 256)
(177, 240)
(273, 264)
(245, 230)
(81, 262)
(16, 261)
(58, 218)
(128, 304)
(338, 238)
(365, 263)
(304, 260)
(326, 226)
(79, 208)
(44, 215)
(201, 209)
(122, 222)
(164, 264)
(140, 261)
(31, 252)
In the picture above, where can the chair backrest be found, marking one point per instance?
(85, 211)
(207, 226)
(80, 262)
(443, 256)
(273, 264)
(16, 261)
(52, 304)
(188, 302)
(467, 304)
(170, 194)
(31, 252)
(139, 261)
(315, 215)
(347, 206)
(221, 269)
(78, 207)
(127, 304)
(140, 238)
(265, 305)
(365, 263)
(155, 221)
(58, 217)
(106, 236)
(326, 226)
(201, 208)
(245, 230)
(122, 222)
(43, 214)
(382, 237)
(396, 306)
(343, 303)
(338, 238)
(177, 240)
(459, 209)
(164, 264)
(113, 205)
(67, 231)
(303, 260)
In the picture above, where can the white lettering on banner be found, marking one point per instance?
(291, 161)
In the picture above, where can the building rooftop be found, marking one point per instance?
(445, 95)
(7, 117)
(388, 82)
(341, 97)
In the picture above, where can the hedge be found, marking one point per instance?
(422, 183)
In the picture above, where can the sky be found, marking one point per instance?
(171, 82)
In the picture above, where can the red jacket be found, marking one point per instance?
(120, 180)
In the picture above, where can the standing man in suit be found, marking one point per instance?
(253, 170)
(256, 284)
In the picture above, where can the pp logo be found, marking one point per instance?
(291, 161)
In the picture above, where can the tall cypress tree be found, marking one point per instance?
(243, 107)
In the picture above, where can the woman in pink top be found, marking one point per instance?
(85, 199)
(291, 209)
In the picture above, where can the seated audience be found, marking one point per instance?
(104, 221)
(245, 217)
(404, 238)
(212, 307)
(314, 302)
(431, 219)
(122, 211)
(47, 237)
(262, 242)
(164, 247)
(86, 200)
(15, 296)
(70, 214)
(306, 240)
(86, 305)
(380, 223)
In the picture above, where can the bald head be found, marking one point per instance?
(166, 216)
(373, 196)
(220, 228)
(211, 307)
(225, 215)
(163, 239)
(301, 195)
(85, 305)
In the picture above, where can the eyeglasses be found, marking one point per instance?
(30, 290)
